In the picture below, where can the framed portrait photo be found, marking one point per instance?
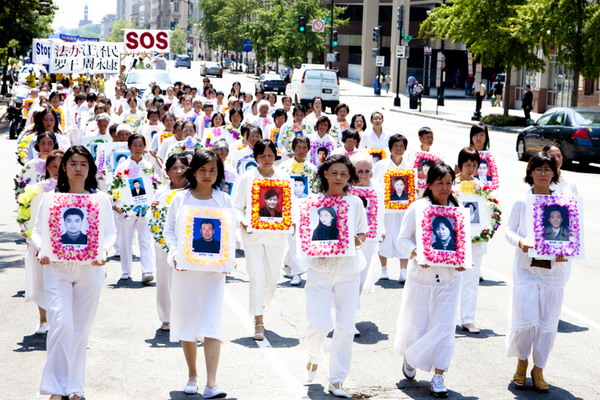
(372, 201)
(325, 228)
(74, 227)
(556, 226)
(300, 188)
(133, 191)
(111, 154)
(423, 161)
(399, 189)
(487, 173)
(319, 151)
(443, 237)
(92, 142)
(271, 205)
(208, 239)
(484, 210)
(377, 154)
(227, 187)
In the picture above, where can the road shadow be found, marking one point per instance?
(483, 334)
(20, 293)
(32, 343)
(489, 282)
(161, 340)
(276, 341)
(527, 392)
(369, 333)
(286, 284)
(130, 284)
(389, 284)
(179, 395)
(567, 327)
(239, 253)
(233, 279)
(4, 264)
(415, 389)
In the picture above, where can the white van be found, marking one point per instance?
(310, 81)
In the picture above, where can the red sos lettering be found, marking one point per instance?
(146, 40)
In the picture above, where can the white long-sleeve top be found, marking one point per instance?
(370, 140)
(523, 272)
(109, 232)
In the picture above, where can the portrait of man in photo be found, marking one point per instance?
(137, 187)
(556, 224)
(300, 186)
(207, 241)
(73, 222)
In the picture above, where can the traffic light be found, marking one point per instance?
(400, 18)
(172, 25)
(337, 55)
(189, 28)
(377, 34)
(301, 24)
(335, 38)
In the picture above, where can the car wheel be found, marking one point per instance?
(583, 163)
(220, 76)
(521, 149)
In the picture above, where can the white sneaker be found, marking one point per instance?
(41, 329)
(408, 371)
(287, 272)
(191, 388)
(384, 274)
(296, 280)
(338, 392)
(438, 388)
(402, 275)
(147, 277)
(213, 393)
(124, 277)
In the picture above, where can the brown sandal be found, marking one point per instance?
(520, 376)
(259, 335)
(539, 384)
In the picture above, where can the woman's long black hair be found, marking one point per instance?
(322, 183)
(438, 171)
(91, 184)
(38, 125)
(198, 160)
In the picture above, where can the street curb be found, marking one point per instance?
(456, 121)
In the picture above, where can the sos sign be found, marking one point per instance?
(147, 40)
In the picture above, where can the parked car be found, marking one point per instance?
(310, 81)
(271, 82)
(211, 68)
(141, 79)
(576, 130)
(183, 62)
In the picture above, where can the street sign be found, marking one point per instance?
(438, 70)
(246, 45)
(318, 25)
(330, 57)
(402, 52)
(380, 61)
(326, 19)
(407, 38)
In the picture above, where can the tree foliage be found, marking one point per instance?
(117, 34)
(178, 43)
(20, 23)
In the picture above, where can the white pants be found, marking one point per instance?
(534, 326)
(322, 290)
(263, 263)
(164, 274)
(470, 286)
(72, 294)
(129, 226)
(292, 260)
(369, 274)
(117, 245)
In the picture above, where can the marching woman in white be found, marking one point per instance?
(390, 247)
(426, 323)
(264, 250)
(137, 224)
(72, 289)
(175, 169)
(563, 186)
(468, 163)
(333, 282)
(197, 296)
(537, 291)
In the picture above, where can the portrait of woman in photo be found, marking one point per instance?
(444, 234)
(327, 227)
(398, 189)
(271, 198)
(473, 211)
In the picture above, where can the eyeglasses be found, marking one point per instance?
(364, 171)
(543, 171)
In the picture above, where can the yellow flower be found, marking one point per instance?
(23, 145)
(209, 135)
(170, 197)
(157, 214)
(32, 190)
(24, 199)
(23, 213)
(161, 241)
(28, 233)
(117, 195)
(297, 168)
(22, 154)
(467, 187)
(155, 228)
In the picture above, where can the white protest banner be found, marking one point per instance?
(85, 57)
(40, 53)
(147, 40)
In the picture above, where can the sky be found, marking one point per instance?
(71, 11)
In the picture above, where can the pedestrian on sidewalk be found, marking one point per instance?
(387, 81)
(410, 82)
(498, 92)
(527, 102)
(72, 289)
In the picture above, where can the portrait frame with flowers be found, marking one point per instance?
(55, 208)
(422, 158)
(494, 182)
(570, 209)
(315, 145)
(192, 218)
(485, 214)
(373, 197)
(392, 205)
(430, 247)
(309, 220)
(257, 204)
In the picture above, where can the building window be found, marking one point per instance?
(176, 7)
(354, 55)
(385, 14)
(176, 21)
(588, 87)
(353, 12)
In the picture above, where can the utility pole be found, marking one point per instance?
(331, 36)
(399, 24)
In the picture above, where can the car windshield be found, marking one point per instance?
(272, 76)
(184, 58)
(212, 65)
(139, 78)
(587, 118)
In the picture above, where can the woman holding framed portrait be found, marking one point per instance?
(390, 247)
(538, 287)
(263, 249)
(334, 281)
(72, 289)
(426, 338)
(197, 296)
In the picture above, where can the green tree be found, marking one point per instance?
(486, 27)
(117, 34)
(567, 28)
(178, 43)
(212, 31)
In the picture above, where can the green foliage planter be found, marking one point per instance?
(501, 120)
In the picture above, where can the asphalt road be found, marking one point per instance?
(130, 358)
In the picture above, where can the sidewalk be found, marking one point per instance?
(457, 108)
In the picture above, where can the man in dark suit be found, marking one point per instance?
(206, 243)
(527, 102)
(137, 190)
(554, 229)
(73, 219)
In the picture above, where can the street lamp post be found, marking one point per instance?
(399, 25)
